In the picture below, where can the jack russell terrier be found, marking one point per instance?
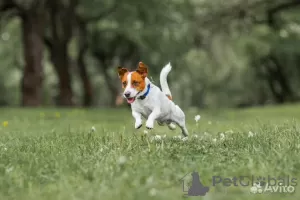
(149, 101)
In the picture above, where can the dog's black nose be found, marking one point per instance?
(127, 94)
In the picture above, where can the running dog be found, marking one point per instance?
(148, 101)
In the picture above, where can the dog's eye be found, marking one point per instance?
(124, 83)
(135, 83)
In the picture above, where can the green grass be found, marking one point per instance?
(46, 156)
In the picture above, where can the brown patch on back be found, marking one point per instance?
(169, 97)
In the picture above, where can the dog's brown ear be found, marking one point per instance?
(122, 71)
(142, 69)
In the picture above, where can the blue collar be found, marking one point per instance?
(147, 92)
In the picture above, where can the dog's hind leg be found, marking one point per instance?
(179, 119)
(183, 128)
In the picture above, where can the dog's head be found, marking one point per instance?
(133, 82)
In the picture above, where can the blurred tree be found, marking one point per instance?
(114, 50)
(84, 17)
(269, 66)
(61, 25)
(31, 13)
(237, 22)
(128, 31)
(233, 53)
(83, 47)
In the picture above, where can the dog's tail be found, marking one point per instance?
(163, 80)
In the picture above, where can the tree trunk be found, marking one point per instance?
(61, 24)
(86, 83)
(282, 80)
(62, 67)
(33, 44)
(114, 92)
(278, 82)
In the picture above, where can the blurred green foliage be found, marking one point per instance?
(217, 50)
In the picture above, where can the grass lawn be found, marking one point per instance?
(96, 154)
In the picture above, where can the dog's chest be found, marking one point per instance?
(144, 109)
(145, 106)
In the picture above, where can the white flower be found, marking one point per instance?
(185, 139)
(222, 136)
(152, 192)
(209, 122)
(250, 134)
(5, 149)
(145, 132)
(177, 137)
(9, 169)
(253, 189)
(214, 140)
(5, 36)
(157, 137)
(197, 118)
(149, 180)
(93, 129)
(122, 160)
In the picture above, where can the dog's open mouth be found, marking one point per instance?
(130, 99)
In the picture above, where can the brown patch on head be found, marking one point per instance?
(138, 81)
(142, 70)
(169, 97)
(122, 72)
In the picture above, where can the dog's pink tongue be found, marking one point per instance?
(130, 100)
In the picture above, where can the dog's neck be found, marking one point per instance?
(143, 94)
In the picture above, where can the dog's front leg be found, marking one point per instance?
(138, 119)
(152, 117)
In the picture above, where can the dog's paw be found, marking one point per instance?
(138, 125)
(149, 125)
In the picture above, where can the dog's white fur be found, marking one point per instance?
(157, 106)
